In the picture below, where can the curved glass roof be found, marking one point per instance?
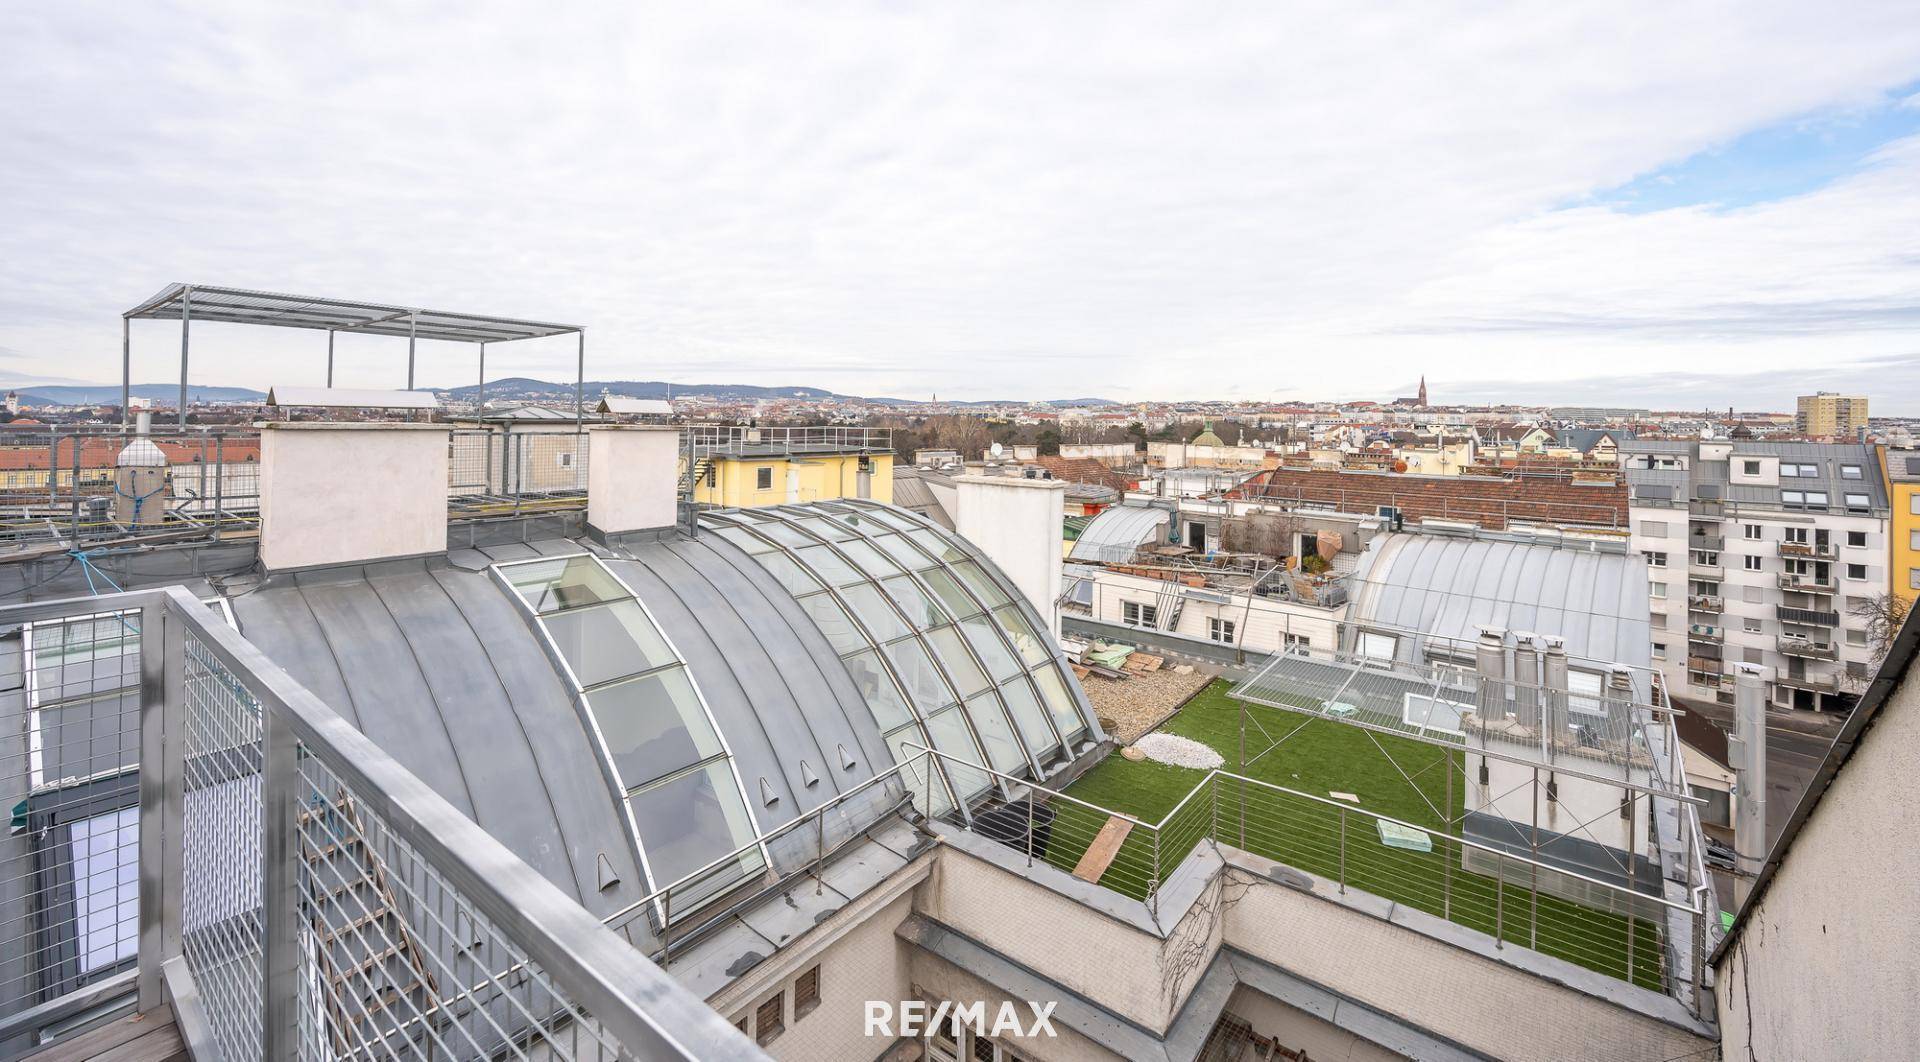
(944, 651)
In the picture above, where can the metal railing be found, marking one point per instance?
(1807, 582)
(257, 863)
(1813, 617)
(1517, 899)
(1495, 513)
(89, 485)
(738, 440)
(505, 473)
(1806, 647)
(1817, 550)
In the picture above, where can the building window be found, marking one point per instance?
(1793, 499)
(1750, 625)
(1657, 591)
(763, 478)
(1856, 571)
(1220, 630)
(566, 460)
(1300, 643)
(1658, 528)
(1659, 650)
(1849, 471)
(1856, 538)
(769, 1019)
(1913, 503)
(1913, 537)
(1752, 531)
(1656, 558)
(1135, 614)
(1856, 637)
(806, 992)
(1751, 562)
(1913, 578)
(1377, 646)
(1752, 467)
(1858, 503)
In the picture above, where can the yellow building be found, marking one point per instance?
(1831, 416)
(1903, 534)
(751, 467)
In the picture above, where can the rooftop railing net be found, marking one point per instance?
(314, 899)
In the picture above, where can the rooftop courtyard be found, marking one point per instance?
(1295, 819)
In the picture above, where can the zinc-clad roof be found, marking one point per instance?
(1451, 587)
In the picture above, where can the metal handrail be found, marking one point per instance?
(649, 1012)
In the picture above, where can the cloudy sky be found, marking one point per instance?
(1682, 206)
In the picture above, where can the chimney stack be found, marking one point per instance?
(1526, 680)
(633, 477)
(1554, 679)
(1490, 660)
(1016, 523)
(340, 493)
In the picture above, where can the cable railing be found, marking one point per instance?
(222, 842)
(741, 440)
(1516, 899)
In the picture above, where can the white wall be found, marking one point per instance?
(633, 481)
(336, 493)
(1825, 967)
(1017, 522)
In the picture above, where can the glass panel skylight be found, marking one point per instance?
(828, 565)
(882, 621)
(653, 726)
(950, 736)
(947, 589)
(889, 709)
(985, 639)
(980, 583)
(1059, 702)
(1022, 635)
(1028, 716)
(1003, 749)
(746, 540)
(924, 685)
(791, 575)
(563, 582)
(868, 559)
(966, 674)
(914, 602)
(691, 820)
(607, 642)
(833, 622)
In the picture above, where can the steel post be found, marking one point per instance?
(219, 483)
(1343, 851)
(580, 381)
(329, 358)
(279, 888)
(126, 371)
(411, 329)
(186, 325)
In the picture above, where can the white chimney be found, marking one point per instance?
(633, 477)
(341, 493)
(1017, 523)
(1747, 748)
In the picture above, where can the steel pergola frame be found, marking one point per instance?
(189, 302)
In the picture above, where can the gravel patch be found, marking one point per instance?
(1178, 751)
(1139, 704)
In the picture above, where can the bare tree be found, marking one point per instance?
(1883, 615)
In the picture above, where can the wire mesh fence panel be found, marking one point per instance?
(399, 962)
(69, 750)
(504, 472)
(220, 915)
(99, 484)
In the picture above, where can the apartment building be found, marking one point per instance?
(1827, 415)
(1761, 553)
(1903, 557)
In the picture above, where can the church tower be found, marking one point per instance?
(1423, 389)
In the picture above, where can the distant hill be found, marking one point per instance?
(513, 388)
(109, 394)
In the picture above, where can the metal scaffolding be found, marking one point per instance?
(187, 303)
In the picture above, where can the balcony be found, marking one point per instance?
(1710, 665)
(1711, 571)
(1806, 582)
(300, 892)
(1705, 603)
(1813, 550)
(1710, 508)
(1811, 617)
(1707, 633)
(1825, 682)
(1710, 543)
(1807, 648)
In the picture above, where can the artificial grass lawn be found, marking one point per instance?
(1323, 756)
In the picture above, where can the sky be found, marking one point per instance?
(1673, 205)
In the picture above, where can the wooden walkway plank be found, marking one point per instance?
(151, 1037)
(1106, 844)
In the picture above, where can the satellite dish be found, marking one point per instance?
(995, 450)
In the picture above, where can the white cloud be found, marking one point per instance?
(1037, 201)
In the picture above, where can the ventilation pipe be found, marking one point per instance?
(1619, 704)
(1526, 680)
(140, 480)
(633, 477)
(1554, 682)
(1490, 660)
(1747, 748)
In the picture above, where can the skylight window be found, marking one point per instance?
(663, 753)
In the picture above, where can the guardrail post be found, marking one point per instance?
(162, 796)
(1343, 851)
(1029, 827)
(1153, 887)
(279, 889)
(1499, 900)
(219, 482)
